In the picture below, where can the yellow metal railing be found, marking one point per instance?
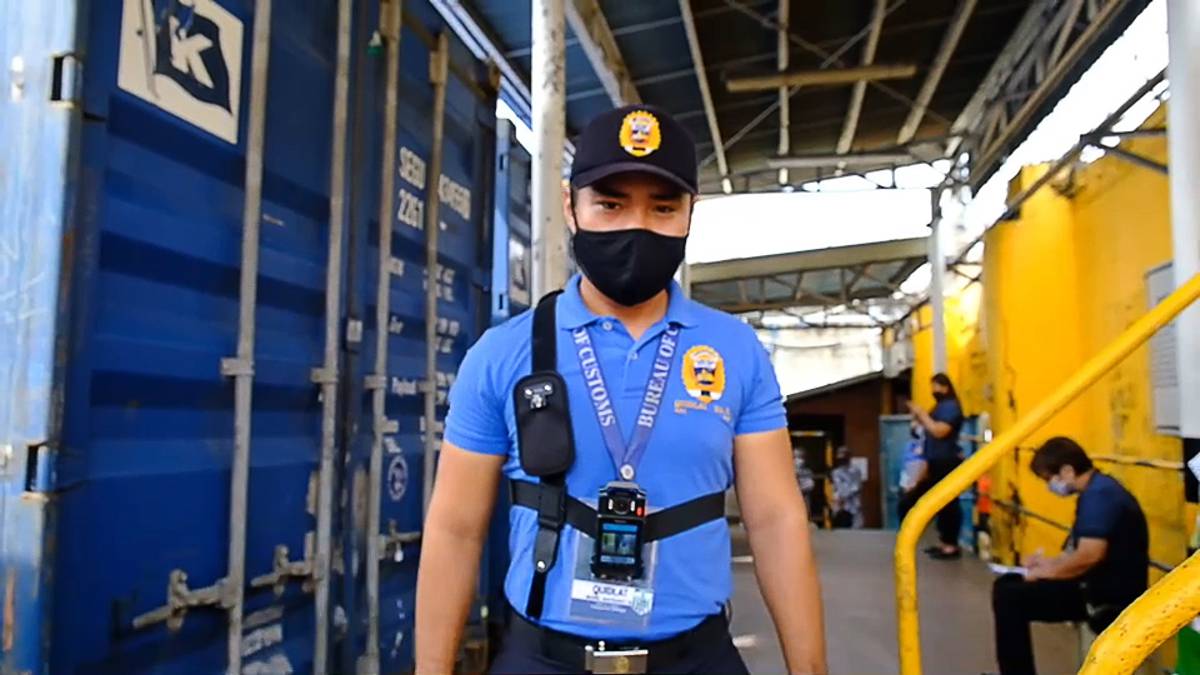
(1150, 617)
(1153, 618)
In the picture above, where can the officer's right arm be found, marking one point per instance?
(468, 476)
(455, 531)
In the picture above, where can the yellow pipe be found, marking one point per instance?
(959, 480)
(1153, 618)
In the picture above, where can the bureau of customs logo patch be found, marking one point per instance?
(704, 373)
(640, 134)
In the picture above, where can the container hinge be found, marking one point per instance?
(324, 375)
(391, 544)
(374, 382)
(237, 367)
(181, 599)
(284, 570)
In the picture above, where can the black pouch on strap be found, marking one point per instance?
(546, 444)
(545, 440)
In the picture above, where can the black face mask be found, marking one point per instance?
(629, 266)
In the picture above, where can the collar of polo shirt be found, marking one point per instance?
(572, 313)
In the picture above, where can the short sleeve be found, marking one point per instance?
(762, 404)
(950, 412)
(476, 420)
(1097, 515)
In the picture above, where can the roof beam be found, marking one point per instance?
(586, 19)
(898, 156)
(817, 301)
(846, 140)
(689, 25)
(737, 62)
(958, 24)
(829, 60)
(800, 78)
(820, 259)
(633, 28)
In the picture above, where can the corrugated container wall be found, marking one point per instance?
(123, 197)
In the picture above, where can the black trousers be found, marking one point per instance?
(949, 519)
(520, 654)
(1016, 603)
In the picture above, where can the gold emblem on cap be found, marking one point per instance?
(640, 134)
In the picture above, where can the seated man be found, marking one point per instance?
(1102, 570)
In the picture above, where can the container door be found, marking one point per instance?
(462, 278)
(39, 124)
(144, 475)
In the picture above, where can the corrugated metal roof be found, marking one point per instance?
(735, 43)
(738, 38)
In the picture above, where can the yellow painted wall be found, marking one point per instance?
(1062, 281)
(965, 356)
(1059, 282)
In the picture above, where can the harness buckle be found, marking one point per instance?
(601, 661)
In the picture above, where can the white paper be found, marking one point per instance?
(998, 569)
(1194, 465)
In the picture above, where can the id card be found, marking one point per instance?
(625, 604)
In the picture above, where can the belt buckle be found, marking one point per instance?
(601, 661)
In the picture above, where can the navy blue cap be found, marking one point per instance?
(635, 138)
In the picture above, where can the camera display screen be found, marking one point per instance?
(618, 544)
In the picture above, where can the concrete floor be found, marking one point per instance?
(860, 622)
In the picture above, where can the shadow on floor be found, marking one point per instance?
(860, 622)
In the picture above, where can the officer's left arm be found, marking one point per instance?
(777, 523)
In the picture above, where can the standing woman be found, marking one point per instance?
(942, 426)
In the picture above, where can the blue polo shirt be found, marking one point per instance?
(946, 449)
(721, 385)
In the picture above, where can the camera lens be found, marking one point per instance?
(620, 505)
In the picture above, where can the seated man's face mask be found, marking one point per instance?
(1061, 486)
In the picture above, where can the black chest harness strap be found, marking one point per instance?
(545, 440)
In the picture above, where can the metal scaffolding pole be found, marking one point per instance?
(1183, 139)
(710, 113)
(954, 33)
(937, 285)
(850, 126)
(783, 47)
(549, 135)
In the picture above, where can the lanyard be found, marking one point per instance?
(626, 456)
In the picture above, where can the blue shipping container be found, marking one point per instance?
(124, 191)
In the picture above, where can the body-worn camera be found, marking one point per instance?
(621, 515)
